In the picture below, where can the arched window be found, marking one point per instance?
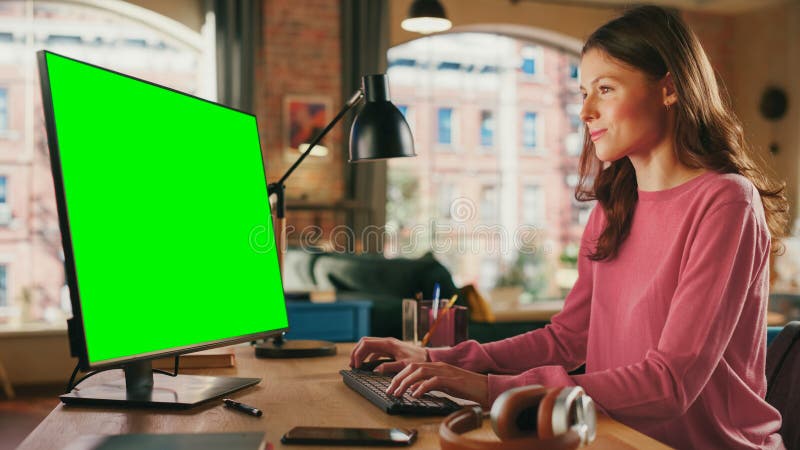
(496, 126)
(109, 33)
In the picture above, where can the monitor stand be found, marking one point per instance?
(140, 388)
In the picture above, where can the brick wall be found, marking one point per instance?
(301, 55)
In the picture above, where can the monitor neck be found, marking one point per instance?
(139, 376)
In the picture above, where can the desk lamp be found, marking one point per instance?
(379, 132)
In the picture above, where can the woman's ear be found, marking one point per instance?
(668, 93)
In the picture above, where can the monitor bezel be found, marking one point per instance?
(78, 341)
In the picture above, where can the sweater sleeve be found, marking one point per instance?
(562, 342)
(725, 262)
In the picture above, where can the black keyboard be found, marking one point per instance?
(372, 386)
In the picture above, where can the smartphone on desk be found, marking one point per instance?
(350, 436)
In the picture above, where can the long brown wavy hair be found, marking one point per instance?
(707, 132)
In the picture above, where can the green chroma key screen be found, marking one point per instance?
(168, 215)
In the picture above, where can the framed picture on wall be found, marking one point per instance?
(304, 117)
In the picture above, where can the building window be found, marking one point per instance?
(533, 211)
(3, 285)
(574, 140)
(489, 202)
(3, 109)
(402, 62)
(444, 199)
(448, 65)
(529, 128)
(529, 66)
(3, 190)
(487, 128)
(573, 71)
(445, 126)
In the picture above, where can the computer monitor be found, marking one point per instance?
(166, 228)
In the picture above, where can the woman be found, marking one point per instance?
(669, 310)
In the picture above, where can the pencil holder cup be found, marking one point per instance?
(443, 327)
(410, 322)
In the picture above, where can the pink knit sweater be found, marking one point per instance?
(672, 330)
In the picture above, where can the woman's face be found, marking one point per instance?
(622, 107)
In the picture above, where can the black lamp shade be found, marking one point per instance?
(379, 130)
(426, 8)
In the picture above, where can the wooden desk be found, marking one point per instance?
(293, 392)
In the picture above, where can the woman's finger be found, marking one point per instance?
(367, 346)
(420, 373)
(435, 383)
(400, 376)
(390, 367)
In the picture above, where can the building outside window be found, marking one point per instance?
(444, 199)
(533, 207)
(489, 203)
(117, 35)
(3, 285)
(479, 196)
(3, 109)
(573, 71)
(529, 60)
(574, 140)
(529, 131)
(487, 128)
(445, 126)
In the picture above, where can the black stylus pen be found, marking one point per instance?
(253, 411)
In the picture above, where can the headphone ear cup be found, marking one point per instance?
(545, 414)
(514, 413)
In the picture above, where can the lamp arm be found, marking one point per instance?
(353, 101)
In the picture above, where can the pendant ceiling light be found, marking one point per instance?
(426, 16)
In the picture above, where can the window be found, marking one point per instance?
(107, 33)
(529, 60)
(445, 126)
(533, 211)
(529, 135)
(448, 65)
(444, 199)
(487, 128)
(489, 202)
(573, 71)
(482, 203)
(574, 140)
(3, 285)
(3, 197)
(532, 59)
(3, 109)
(402, 62)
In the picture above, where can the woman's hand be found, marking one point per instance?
(372, 348)
(418, 378)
